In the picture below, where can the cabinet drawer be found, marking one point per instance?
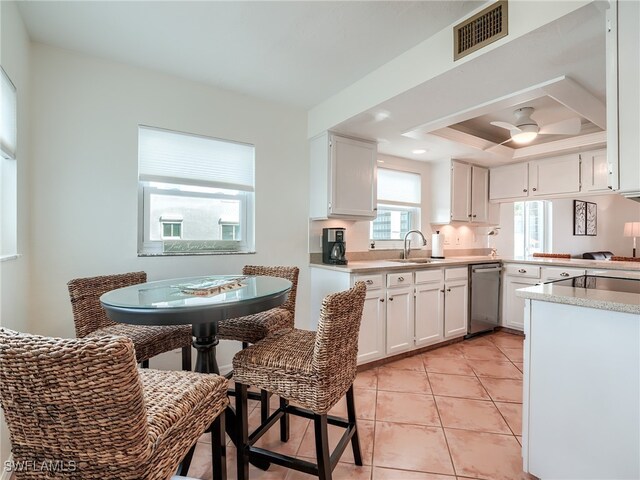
(557, 273)
(460, 273)
(373, 282)
(429, 276)
(400, 279)
(528, 271)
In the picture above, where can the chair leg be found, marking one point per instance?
(218, 448)
(242, 432)
(183, 469)
(245, 345)
(322, 446)
(145, 363)
(351, 416)
(186, 358)
(264, 405)
(284, 422)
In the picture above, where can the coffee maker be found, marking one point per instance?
(333, 246)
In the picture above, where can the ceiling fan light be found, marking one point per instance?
(525, 133)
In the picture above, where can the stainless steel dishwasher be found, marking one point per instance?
(484, 298)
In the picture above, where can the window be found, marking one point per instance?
(532, 228)
(398, 204)
(196, 193)
(8, 167)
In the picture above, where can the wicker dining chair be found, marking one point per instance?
(253, 328)
(91, 319)
(81, 409)
(314, 370)
(552, 255)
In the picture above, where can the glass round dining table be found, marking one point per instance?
(178, 302)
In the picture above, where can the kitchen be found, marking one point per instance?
(64, 81)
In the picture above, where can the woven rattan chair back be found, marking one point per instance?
(336, 347)
(88, 314)
(290, 273)
(616, 258)
(552, 255)
(72, 400)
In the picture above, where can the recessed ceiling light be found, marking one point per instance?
(418, 151)
(381, 115)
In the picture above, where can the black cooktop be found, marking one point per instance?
(627, 285)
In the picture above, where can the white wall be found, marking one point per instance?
(84, 200)
(613, 212)
(14, 274)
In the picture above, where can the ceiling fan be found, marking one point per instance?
(525, 129)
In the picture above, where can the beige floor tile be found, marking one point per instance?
(365, 405)
(485, 455)
(448, 351)
(271, 440)
(508, 341)
(492, 368)
(403, 407)
(450, 365)
(503, 389)
(512, 412)
(478, 341)
(519, 438)
(367, 379)
(513, 354)
(391, 474)
(343, 471)
(365, 435)
(483, 352)
(411, 447)
(408, 363)
(403, 381)
(466, 414)
(519, 366)
(457, 386)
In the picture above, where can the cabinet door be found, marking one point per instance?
(553, 176)
(460, 189)
(456, 309)
(513, 310)
(371, 340)
(479, 194)
(509, 181)
(429, 318)
(399, 319)
(595, 171)
(353, 177)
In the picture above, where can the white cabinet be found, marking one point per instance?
(595, 171)
(509, 182)
(553, 176)
(516, 276)
(343, 177)
(371, 342)
(461, 193)
(399, 312)
(456, 302)
(429, 307)
(560, 273)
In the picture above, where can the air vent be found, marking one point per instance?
(480, 30)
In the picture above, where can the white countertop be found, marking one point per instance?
(583, 297)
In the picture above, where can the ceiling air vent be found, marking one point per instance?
(480, 30)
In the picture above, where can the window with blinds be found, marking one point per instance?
(205, 182)
(399, 199)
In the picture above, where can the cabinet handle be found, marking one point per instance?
(369, 282)
(382, 299)
(535, 189)
(391, 299)
(474, 215)
(525, 190)
(522, 270)
(448, 289)
(469, 215)
(442, 290)
(564, 274)
(401, 279)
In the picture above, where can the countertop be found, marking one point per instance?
(370, 266)
(583, 297)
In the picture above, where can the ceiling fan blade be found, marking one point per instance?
(492, 147)
(505, 125)
(571, 126)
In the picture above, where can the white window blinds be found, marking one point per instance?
(8, 120)
(395, 186)
(173, 157)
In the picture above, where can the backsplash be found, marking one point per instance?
(397, 253)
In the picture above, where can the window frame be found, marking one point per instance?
(547, 223)
(9, 180)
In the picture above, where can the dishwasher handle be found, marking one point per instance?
(486, 270)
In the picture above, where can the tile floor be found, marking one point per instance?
(454, 412)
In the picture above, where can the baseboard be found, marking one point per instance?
(6, 475)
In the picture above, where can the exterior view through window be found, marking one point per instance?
(398, 204)
(196, 193)
(532, 228)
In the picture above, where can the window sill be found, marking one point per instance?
(7, 258)
(191, 254)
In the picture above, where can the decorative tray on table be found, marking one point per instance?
(212, 286)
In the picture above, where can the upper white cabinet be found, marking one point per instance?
(461, 193)
(623, 96)
(554, 176)
(343, 177)
(595, 171)
(509, 182)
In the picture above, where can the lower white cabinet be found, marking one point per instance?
(371, 342)
(456, 298)
(516, 276)
(400, 317)
(429, 315)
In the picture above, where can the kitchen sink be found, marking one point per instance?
(412, 260)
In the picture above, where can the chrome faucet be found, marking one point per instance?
(407, 249)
